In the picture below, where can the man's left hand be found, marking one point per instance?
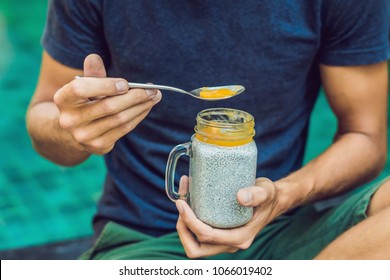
(201, 240)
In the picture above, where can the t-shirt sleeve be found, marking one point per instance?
(355, 32)
(74, 29)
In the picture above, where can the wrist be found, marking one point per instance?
(49, 139)
(292, 193)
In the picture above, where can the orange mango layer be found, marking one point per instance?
(216, 93)
(217, 133)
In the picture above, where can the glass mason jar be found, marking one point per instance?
(223, 159)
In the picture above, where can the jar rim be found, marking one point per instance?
(225, 124)
(241, 118)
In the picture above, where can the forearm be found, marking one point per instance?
(353, 159)
(49, 139)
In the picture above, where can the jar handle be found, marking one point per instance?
(175, 154)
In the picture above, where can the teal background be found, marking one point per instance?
(41, 202)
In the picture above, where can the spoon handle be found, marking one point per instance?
(153, 86)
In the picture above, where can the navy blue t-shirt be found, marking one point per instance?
(273, 48)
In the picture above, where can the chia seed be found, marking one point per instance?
(217, 173)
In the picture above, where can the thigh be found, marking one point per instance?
(381, 199)
(120, 243)
(117, 242)
(311, 231)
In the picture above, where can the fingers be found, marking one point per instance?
(115, 105)
(105, 142)
(87, 88)
(183, 186)
(186, 213)
(196, 249)
(207, 234)
(97, 125)
(94, 66)
(99, 136)
(106, 113)
(128, 118)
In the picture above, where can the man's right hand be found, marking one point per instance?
(97, 111)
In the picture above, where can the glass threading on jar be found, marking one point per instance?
(224, 127)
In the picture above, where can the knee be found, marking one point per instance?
(380, 200)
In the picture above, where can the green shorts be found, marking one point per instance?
(298, 235)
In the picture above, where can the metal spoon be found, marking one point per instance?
(237, 89)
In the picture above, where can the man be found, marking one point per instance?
(282, 51)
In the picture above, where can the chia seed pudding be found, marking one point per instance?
(217, 173)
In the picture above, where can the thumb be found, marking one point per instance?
(94, 66)
(252, 196)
